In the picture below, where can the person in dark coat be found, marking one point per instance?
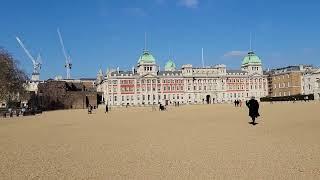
(89, 109)
(253, 106)
(107, 109)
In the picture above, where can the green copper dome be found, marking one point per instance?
(251, 58)
(146, 57)
(170, 65)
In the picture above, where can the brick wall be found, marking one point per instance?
(62, 95)
(286, 84)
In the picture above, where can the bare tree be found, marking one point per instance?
(12, 79)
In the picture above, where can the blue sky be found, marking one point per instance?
(110, 33)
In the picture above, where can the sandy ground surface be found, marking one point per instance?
(189, 142)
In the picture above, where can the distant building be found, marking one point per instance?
(311, 83)
(286, 81)
(147, 85)
(65, 95)
(32, 86)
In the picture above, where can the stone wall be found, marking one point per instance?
(63, 95)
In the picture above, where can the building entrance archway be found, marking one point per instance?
(208, 99)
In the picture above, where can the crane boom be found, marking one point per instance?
(62, 45)
(26, 51)
(68, 64)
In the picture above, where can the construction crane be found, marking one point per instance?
(36, 62)
(68, 64)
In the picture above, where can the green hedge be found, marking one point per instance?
(288, 98)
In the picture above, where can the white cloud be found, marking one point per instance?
(235, 54)
(189, 3)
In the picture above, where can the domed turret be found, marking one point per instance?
(170, 66)
(251, 63)
(146, 57)
(251, 58)
(146, 64)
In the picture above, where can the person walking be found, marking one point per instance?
(107, 109)
(89, 109)
(253, 106)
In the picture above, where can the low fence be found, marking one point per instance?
(299, 97)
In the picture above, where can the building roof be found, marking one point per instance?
(123, 72)
(146, 57)
(251, 58)
(88, 79)
(236, 71)
(164, 73)
(170, 65)
(291, 68)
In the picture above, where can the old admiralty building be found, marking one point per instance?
(146, 84)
